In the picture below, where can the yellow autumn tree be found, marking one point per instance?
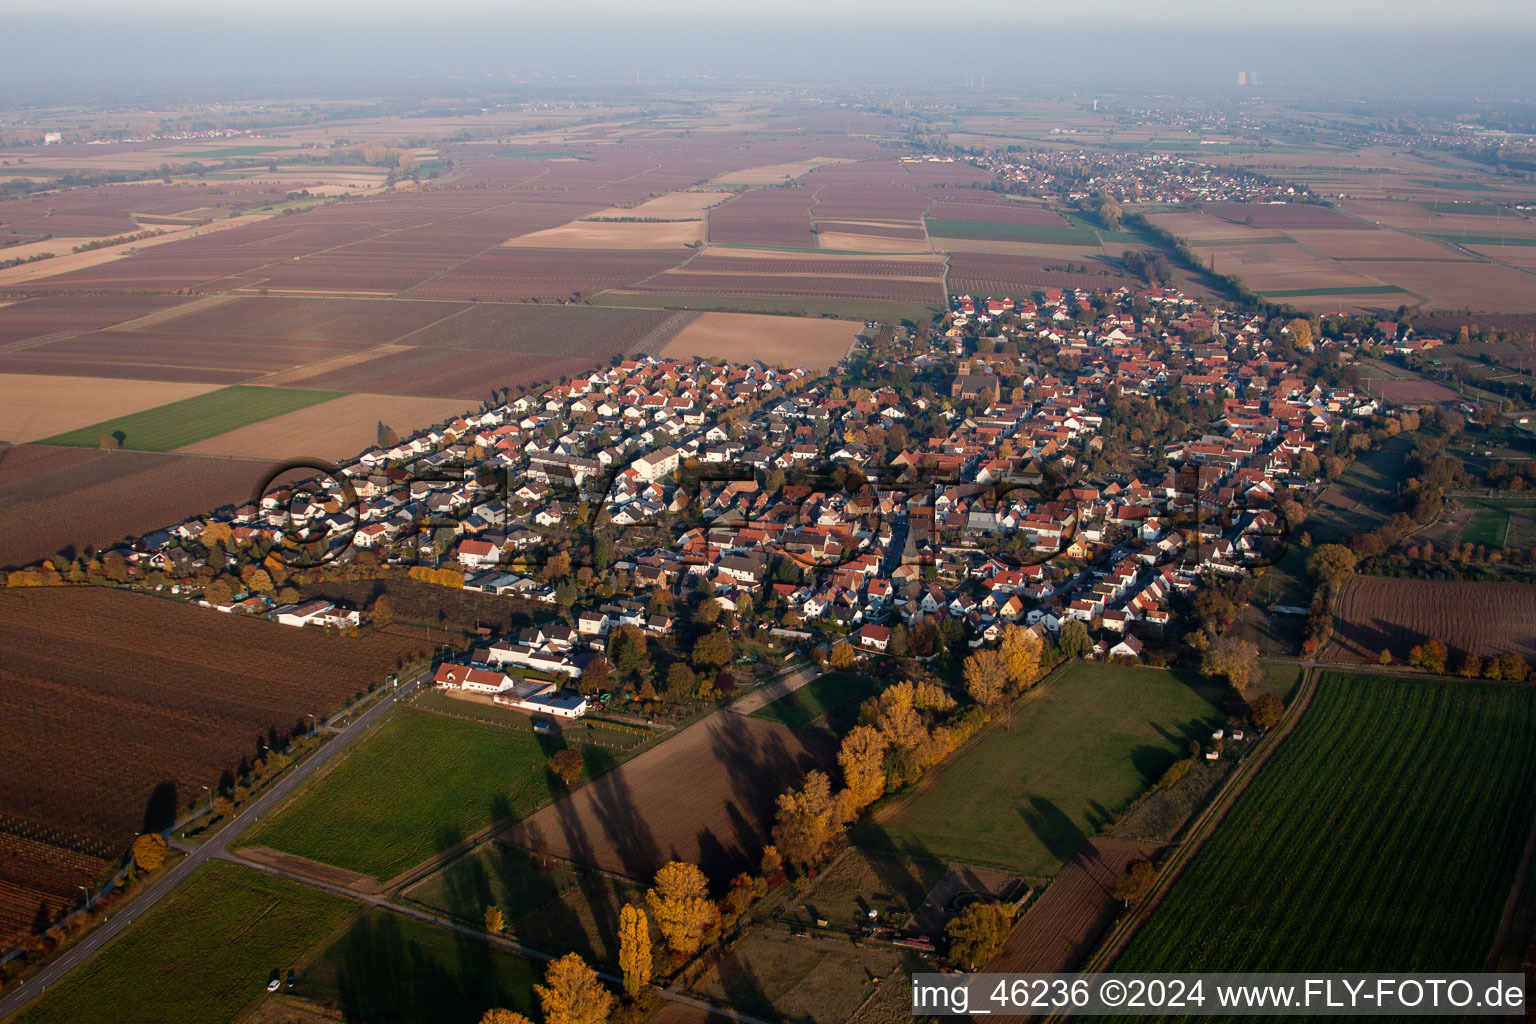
(862, 758)
(497, 1015)
(572, 993)
(149, 851)
(806, 819)
(495, 920)
(1021, 651)
(986, 677)
(684, 912)
(634, 949)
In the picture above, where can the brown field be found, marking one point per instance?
(1372, 614)
(595, 331)
(65, 262)
(1519, 255)
(706, 796)
(334, 430)
(1371, 245)
(611, 234)
(1200, 227)
(36, 318)
(1283, 216)
(1453, 285)
(132, 693)
(681, 205)
(34, 406)
(869, 243)
(447, 373)
(812, 342)
(165, 357)
(1413, 216)
(52, 498)
(306, 374)
(1411, 392)
(773, 174)
(1063, 926)
(1289, 267)
(982, 274)
(339, 320)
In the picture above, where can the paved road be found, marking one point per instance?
(213, 847)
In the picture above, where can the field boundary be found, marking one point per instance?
(1203, 828)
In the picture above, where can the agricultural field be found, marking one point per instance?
(1373, 614)
(814, 343)
(1062, 926)
(56, 498)
(1027, 794)
(549, 905)
(35, 318)
(705, 795)
(980, 274)
(449, 779)
(1420, 850)
(520, 274)
(388, 966)
(830, 701)
(202, 955)
(147, 699)
(336, 429)
(34, 406)
(186, 422)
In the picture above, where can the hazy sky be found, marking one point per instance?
(1409, 15)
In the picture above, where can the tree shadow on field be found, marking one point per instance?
(1151, 761)
(1053, 827)
(160, 810)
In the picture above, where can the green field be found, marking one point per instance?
(414, 788)
(1383, 836)
(1025, 796)
(1371, 481)
(200, 956)
(835, 697)
(549, 906)
(1374, 289)
(396, 968)
(229, 152)
(1486, 527)
(1081, 236)
(175, 424)
(1461, 238)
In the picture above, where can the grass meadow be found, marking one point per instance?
(202, 955)
(417, 786)
(176, 424)
(1026, 794)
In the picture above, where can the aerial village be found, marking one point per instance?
(1000, 467)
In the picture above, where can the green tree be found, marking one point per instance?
(713, 650)
(1073, 639)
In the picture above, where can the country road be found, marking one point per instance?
(199, 855)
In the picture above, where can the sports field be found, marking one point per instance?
(178, 424)
(202, 955)
(1383, 836)
(1076, 751)
(414, 788)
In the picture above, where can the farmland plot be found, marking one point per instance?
(1375, 614)
(706, 796)
(1356, 849)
